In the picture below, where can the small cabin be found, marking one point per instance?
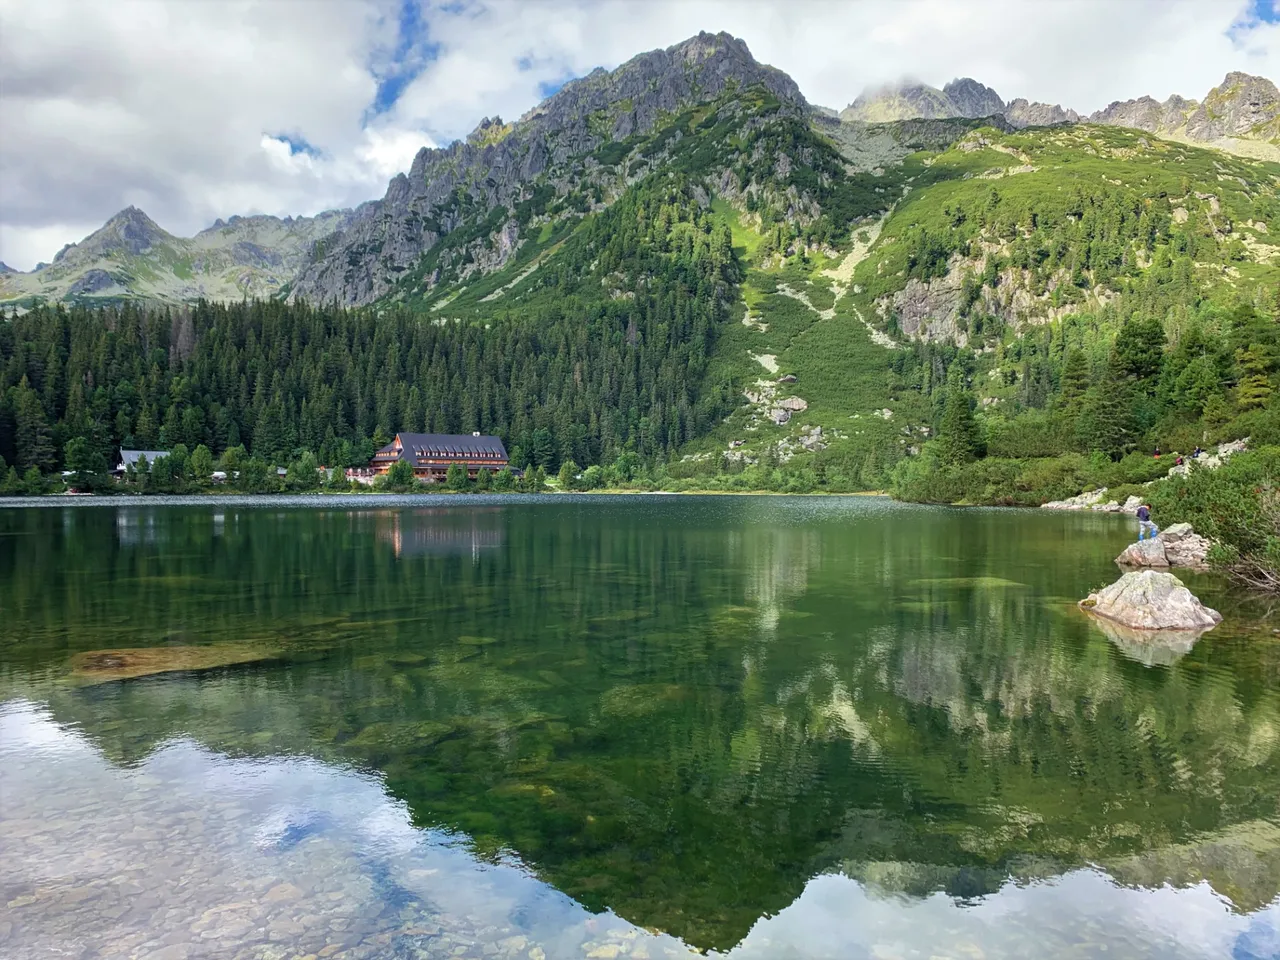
(432, 454)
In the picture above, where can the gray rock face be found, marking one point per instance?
(959, 98)
(92, 281)
(973, 99)
(1242, 107)
(1151, 600)
(498, 163)
(906, 100)
(1183, 547)
(1020, 113)
(1235, 108)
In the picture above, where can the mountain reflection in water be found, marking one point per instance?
(767, 727)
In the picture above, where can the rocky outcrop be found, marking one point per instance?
(1144, 553)
(1211, 461)
(1151, 600)
(1241, 115)
(964, 97)
(500, 164)
(1183, 547)
(1177, 546)
(1082, 501)
(970, 98)
(1020, 113)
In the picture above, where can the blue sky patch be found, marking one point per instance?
(410, 56)
(297, 144)
(1268, 11)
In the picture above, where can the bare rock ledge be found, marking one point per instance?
(1178, 546)
(1151, 600)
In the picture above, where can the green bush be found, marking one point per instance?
(1236, 505)
(398, 478)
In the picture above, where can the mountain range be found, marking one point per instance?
(684, 261)
(563, 158)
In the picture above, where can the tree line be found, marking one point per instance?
(607, 356)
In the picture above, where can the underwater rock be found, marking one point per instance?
(1151, 600)
(102, 666)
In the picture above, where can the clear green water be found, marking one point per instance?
(612, 727)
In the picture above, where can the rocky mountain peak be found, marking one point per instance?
(905, 100)
(1241, 103)
(130, 230)
(973, 99)
(963, 97)
(1241, 114)
(495, 165)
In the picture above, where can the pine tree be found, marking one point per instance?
(33, 438)
(1075, 379)
(568, 476)
(958, 437)
(1254, 388)
(1106, 417)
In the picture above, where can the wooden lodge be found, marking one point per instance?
(433, 453)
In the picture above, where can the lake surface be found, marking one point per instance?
(617, 727)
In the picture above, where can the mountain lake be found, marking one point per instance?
(617, 727)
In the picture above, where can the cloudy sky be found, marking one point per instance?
(199, 109)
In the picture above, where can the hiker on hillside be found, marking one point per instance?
(1157, 453)
(1145, 524)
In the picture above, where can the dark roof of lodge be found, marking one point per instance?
(448, 445)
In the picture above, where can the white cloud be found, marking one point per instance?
(180, 107)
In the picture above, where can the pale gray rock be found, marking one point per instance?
(1020, 113)
(1183, 547)
(1235, 108)
(1242, 107)
(973, 99)
(1144, 553)
(1083, 501)
(1151, 600)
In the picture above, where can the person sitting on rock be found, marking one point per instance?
(1145, 524)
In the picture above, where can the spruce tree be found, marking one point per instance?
(1254, 388)
(1106, 417)
(1075, 379)
(958, 438)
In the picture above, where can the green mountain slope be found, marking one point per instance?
(683, 263)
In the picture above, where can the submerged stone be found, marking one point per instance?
(102, 666)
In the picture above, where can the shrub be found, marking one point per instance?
(1238, 506)
(399, 477)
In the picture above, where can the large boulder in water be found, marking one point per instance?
(1183, 547)
(1144, 553)
(1151, 600)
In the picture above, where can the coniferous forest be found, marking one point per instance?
(573, 377)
